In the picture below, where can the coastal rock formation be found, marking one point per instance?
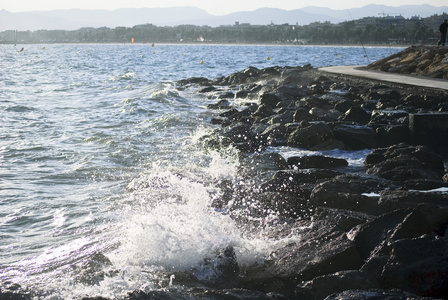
(416, 60)
(362, 230)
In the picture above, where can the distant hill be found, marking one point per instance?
(72, 19)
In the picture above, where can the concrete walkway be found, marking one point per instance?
(362, 71)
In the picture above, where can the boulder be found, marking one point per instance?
(356, 114)
(356, 137)
(269, 99)
(310, 136)
(402, 168)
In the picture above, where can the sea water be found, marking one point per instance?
(99, 162)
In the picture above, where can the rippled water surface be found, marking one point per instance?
(98, 163)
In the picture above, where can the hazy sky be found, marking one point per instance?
(215, 7)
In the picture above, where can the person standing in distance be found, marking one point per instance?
(443, 27)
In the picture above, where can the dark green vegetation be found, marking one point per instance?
(371, 30)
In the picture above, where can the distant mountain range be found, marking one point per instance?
(72, 19)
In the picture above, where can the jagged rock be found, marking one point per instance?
(321, 251)
(341, 219)
(348, 192)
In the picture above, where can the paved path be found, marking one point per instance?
(362, 71)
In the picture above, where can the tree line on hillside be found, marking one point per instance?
(372, 30)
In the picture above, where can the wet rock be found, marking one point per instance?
(264, 161)
(316, 161)
(13, 291)
(342, 219)
(222, 104)
(323, 286)
(220, 271)
(272, 135)
(321, 251)
(204, 293)
(349, 192)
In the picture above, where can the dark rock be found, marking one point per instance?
(222, 104)
(393, 135)
(356, 137)
(282, 118)
(302, 115)
(395, 199)
(321, 251)
(402, 168)
(373, 237)
(274, 135)
(328, 115)
(348, 192)
(263, 111)
(375, 294)
(283, 202)
(316, 161)
(310, 136)
(301, 176)
(356, 114)
(422, 153)
(207, 89)
(265, 161)
(342, 219)
(220, 271)
(343, 105)
(269, 99)
(389, 116)
(419, 266)
(323, 286)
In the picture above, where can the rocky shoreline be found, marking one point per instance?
(373, 232)
(379, 230)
